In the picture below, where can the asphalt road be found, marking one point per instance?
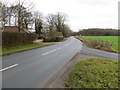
(99, 53)
(34, 68)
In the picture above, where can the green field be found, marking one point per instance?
(94, 73)
(112, 39)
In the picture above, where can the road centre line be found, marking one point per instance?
(18, 64)
(67, 44)
(56, 49)
(52, 51)
(9, 67)
(42, 54)
(59, 48)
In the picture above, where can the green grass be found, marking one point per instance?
(111, 39)
(94, 73)
(64, 39)
(8, 50)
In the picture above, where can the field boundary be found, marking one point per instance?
(98, 44)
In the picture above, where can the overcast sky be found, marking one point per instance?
(81, 13)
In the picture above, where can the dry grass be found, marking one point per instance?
(97, 44)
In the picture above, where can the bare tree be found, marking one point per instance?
(9, 15)
(21, 14)
(66, 30)
(51, 20)
(38, 23)
(14, 12)
(1, 17)
(57, 23)
(4, 13)
(60, 21)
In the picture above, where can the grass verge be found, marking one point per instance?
(94, 73)
(13, 49)
(64, 39)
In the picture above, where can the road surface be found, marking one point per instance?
(98, 53)
(34, 68)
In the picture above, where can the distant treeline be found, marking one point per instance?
(99, 32)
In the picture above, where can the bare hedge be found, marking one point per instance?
(14, 38)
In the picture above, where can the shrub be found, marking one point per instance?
(39, 37)
(52, 39)
(14, 38)
(53, 36)
(54, 33)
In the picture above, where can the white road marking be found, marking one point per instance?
(68, 43)
(49, 52)
(52, 51)
(9, 67)
(57, 48)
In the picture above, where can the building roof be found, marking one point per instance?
(14, 29)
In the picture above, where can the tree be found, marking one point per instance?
(38, 23)
(22, 16)
(4, 14)
(17, 14)
(57, 23)
(51, 22)
(66, 30)
(1, 18)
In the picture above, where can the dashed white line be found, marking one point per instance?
(67, 44)
(42, 54)
(9, 67)
(56, 49)
(51, 51)
(59, 48)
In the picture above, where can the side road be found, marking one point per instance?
(98, 53)
(83, 54)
